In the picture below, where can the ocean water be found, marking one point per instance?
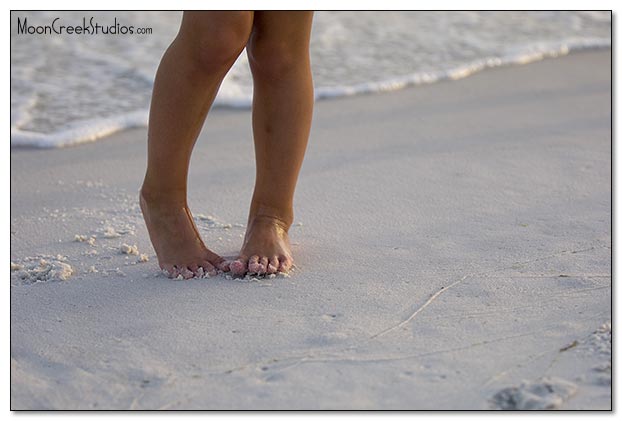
(68, 89)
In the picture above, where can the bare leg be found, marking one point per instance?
(278, 52)
(186, 84)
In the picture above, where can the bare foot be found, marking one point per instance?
(266, 248)
(176, 239)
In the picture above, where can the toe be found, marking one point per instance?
(175, 272)
(219, 263)
(286, 264)
(199, 273)
(239, 266)
(208, 268)
(253, 264)
(273, 265)
(186, 273)
(223, 265)
(263, 265)
(169, 270)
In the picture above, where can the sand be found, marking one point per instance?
(452, 243)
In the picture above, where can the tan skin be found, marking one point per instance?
(190, 73)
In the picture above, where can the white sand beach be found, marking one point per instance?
(452, 243)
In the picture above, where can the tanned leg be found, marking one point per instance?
(278, 52)
(186, 84)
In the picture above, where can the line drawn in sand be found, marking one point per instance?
(444, 289)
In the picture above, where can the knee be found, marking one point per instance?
(273, 60)
(215, 48)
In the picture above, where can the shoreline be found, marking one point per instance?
(80, 132)
(453, 245)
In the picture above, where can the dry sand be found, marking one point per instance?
(453, 244)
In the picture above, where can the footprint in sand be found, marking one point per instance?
(546, 393)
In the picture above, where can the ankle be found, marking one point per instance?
(158, 196)
(282, 216)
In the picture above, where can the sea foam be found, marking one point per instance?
(69, 90)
